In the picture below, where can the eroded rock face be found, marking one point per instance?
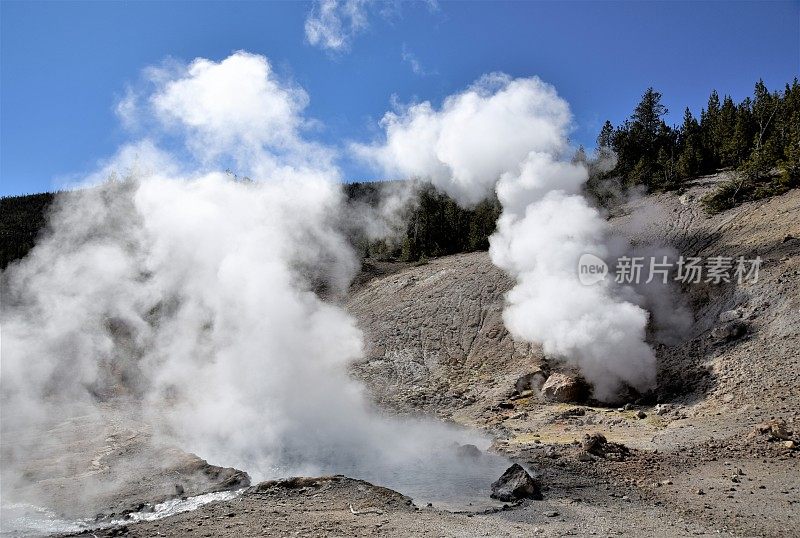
(730, 315)
(435, 340)
(563, 388)
(516, 484)
(532, 381)
(218, 478)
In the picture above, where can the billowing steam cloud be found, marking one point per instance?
(511, 135)
(195, 295)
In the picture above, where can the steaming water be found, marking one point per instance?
(448, 481)
(443, 477)
(178, 506)
(464, 486)
(20, 519)
(27, 520)
(448, 487)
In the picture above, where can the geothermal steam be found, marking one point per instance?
(511, 135)
(196, 296)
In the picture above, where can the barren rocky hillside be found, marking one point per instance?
(436, 341)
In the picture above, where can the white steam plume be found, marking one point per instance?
(511, 135)
(193, 295)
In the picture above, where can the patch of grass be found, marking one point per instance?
(746, 189)
(547, 438)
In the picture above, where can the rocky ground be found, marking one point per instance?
(712, 450)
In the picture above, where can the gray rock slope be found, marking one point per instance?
(436, 341)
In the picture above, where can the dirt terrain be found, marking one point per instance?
(693, 460)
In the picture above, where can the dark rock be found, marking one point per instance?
(597, 445)
(515, 484)
(468, 451)
(295, 482)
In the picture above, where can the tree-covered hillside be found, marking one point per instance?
(758, 137)
(21, 219)
(434, 225)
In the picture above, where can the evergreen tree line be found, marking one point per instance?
(758, 138)
(21, 219)
(435, 225)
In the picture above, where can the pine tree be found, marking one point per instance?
(709, 119)
(690, 159)
(755, 137)
(743, 132)
(724, 133)
(647, 121)
(606, 137)
(580, 156)
(665, 178)
(764, 152)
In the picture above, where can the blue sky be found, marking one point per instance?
(65, 65)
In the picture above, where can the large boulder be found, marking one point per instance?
(563, 388)
(515, 484)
